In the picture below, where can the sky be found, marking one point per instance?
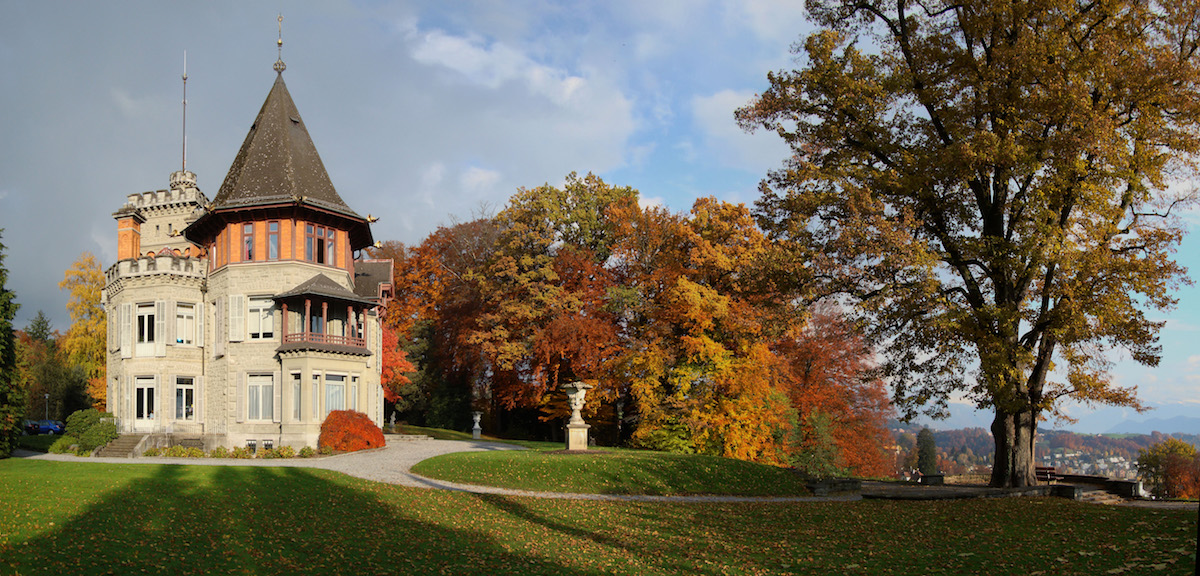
(424, 113)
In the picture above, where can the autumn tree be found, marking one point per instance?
(989, 182)
(829, 369)
(84, 341)
(927, 454)
(1170, 469)
(12, 396)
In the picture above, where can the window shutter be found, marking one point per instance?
(219, 329)
(126, 324)
(277, 386)
(171, 322)
(199, 380)
(160, 328)
(241, 397)
(201, 312)
(237, 318)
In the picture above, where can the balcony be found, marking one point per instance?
(318, 338)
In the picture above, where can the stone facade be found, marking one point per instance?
(238, 321)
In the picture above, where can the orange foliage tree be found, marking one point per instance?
(682, 322)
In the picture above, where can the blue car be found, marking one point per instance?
(51, 427)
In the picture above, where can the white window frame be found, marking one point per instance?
(185, 324)
(335, 392)
(260, 318)
(297, 391)
(185, 386)
(144, 328)
(260, 397)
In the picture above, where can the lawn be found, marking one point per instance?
(93, 518)
(613, 471)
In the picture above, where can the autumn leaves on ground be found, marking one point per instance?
(91, 518)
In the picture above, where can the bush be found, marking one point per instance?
(241, 452)
(307, 452)
(285, 452)
(82, 420)
(178, 451)
(98, 435)
(65, 443)
(349, 431)
(219, 452)
(152, 452)
(326, 451)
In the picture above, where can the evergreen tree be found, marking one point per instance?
(39, 328)
(926, 452)
(12, 398)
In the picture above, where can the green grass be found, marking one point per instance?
(612, 471)
(37, 443)
(61, 518)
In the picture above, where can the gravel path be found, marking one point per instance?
(392, 464)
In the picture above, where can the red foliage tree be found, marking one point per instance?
(828, 369)
(349, 431)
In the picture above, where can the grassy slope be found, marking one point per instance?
(613, 471)
(89, 518)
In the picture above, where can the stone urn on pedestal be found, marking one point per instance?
(477, 430)
(577, 430)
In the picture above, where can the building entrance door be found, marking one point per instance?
(145, 406)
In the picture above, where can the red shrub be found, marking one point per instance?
(348, 431)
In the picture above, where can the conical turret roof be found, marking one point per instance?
(278, 162)
(277, 167)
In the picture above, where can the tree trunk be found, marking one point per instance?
(1013, 463)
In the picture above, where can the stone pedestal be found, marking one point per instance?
(577, 436)
(477, 430)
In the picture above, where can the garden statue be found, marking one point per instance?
(577, 430)
(477, 430)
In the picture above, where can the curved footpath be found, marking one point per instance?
(392, 464)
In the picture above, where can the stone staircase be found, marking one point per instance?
(125, 446)
(1100, 496)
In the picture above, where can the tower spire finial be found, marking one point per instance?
(279, 65)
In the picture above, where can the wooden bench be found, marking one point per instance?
(1045, 474)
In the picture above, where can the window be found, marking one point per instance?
(335, 392)
(320, 244)
(260, 395)
(185, 323)
(185, 398)
(247, 242)
(316, 387)
(296, 396)
(354, 392)
(144, 409)
(272, 240)
(316, 324)
(261, 318)
(145, 324)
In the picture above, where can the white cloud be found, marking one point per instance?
(713, 116)
(493, 66)
(479, 180)
(651, 202)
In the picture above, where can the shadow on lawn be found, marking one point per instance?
(241, 520)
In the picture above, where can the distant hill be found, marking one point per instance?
(1177, 424)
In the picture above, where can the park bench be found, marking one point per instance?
(1045, 474)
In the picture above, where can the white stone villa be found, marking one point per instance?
(247, 319)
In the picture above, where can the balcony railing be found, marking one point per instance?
(319, 338)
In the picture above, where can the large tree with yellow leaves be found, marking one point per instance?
(990, 181)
